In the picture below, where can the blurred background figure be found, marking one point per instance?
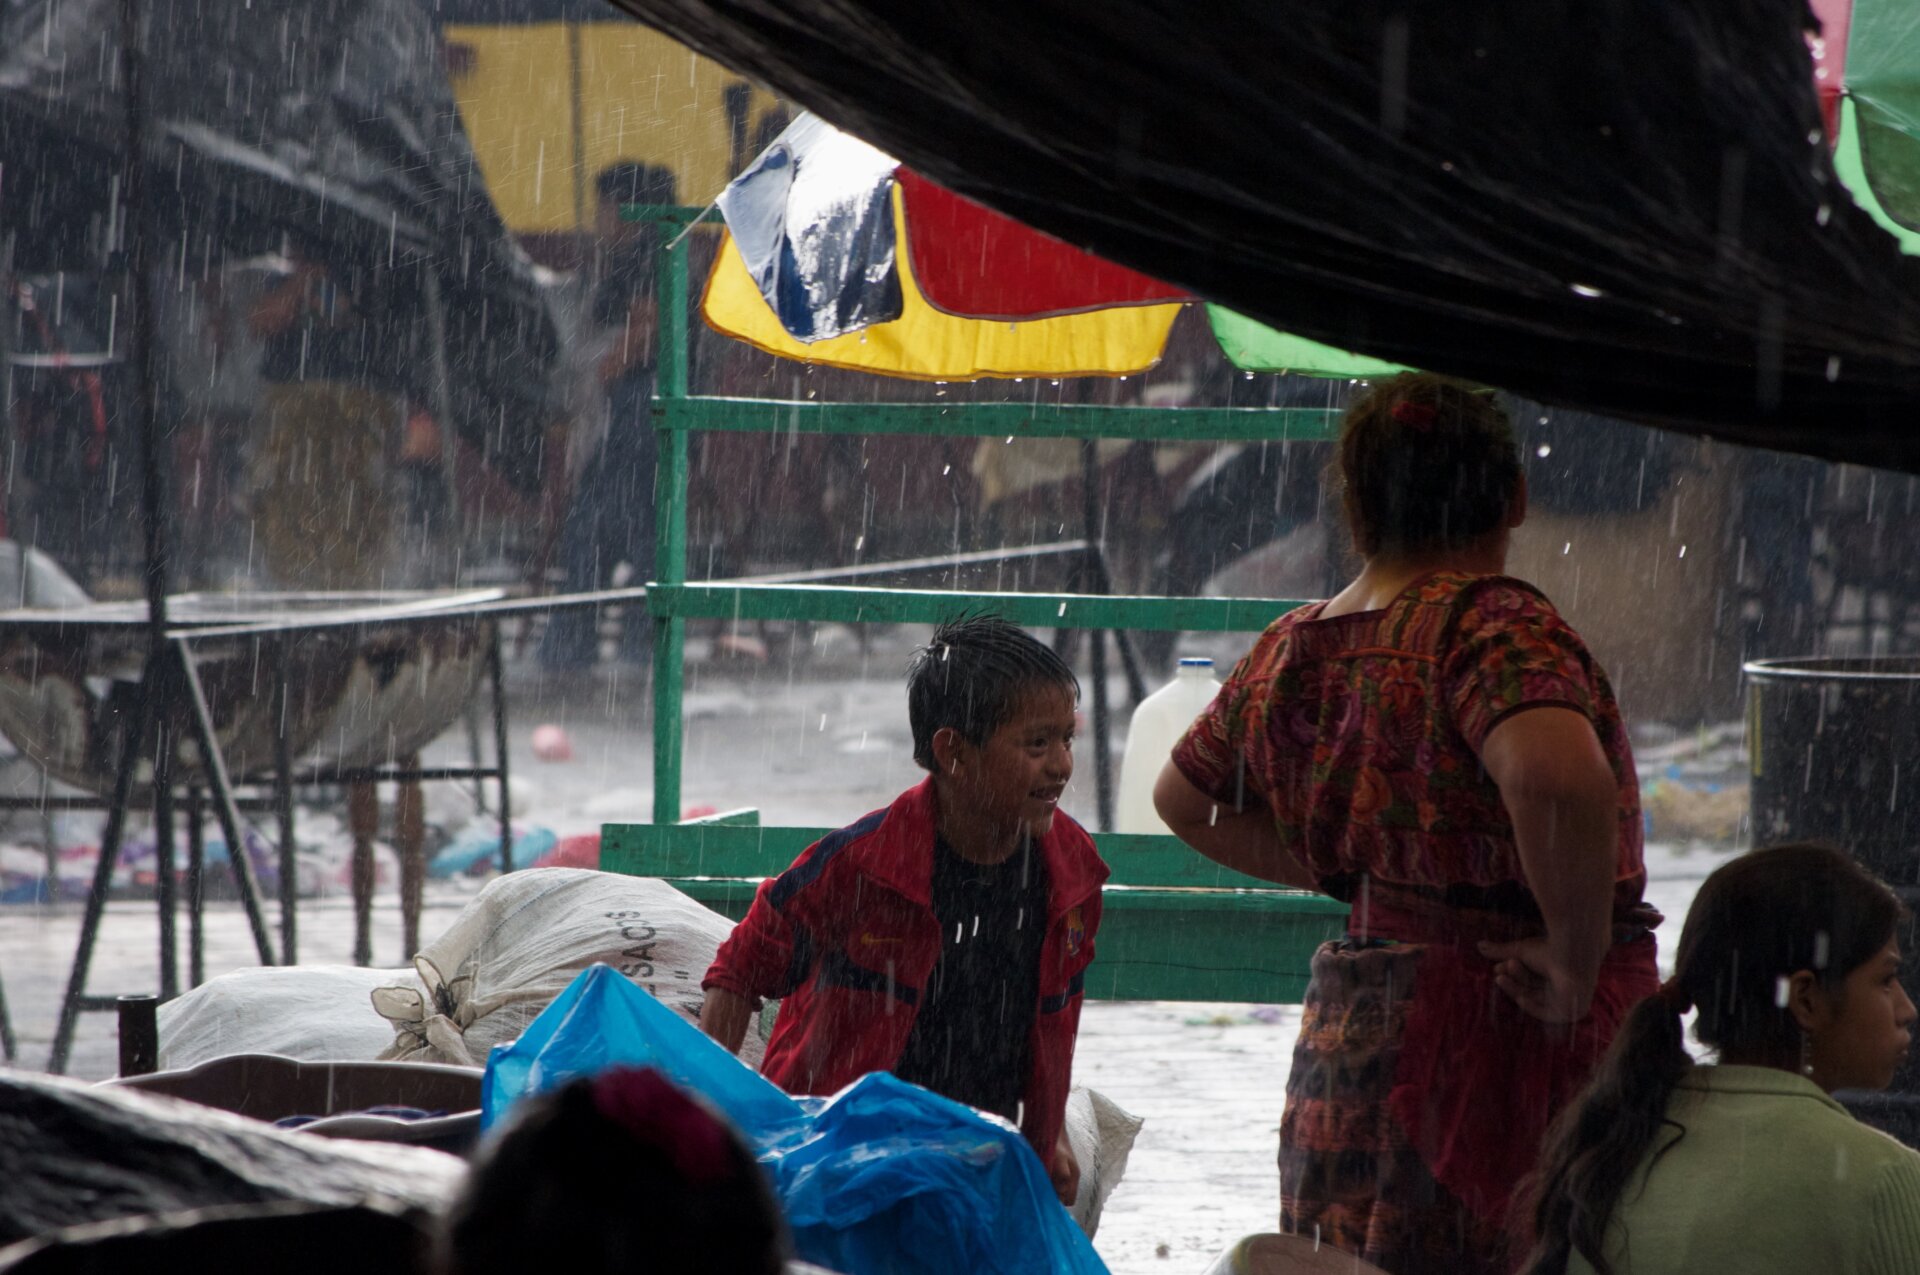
(329, 503)
(609, 318)
(328, 424)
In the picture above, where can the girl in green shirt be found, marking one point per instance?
(1791, 957)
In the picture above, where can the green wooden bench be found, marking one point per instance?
(1175, 926)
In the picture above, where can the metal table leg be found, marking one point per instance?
(497, 666)
(224, 807)
(131, 748)
(165, 883)
(196, 886)
(9, 1047)
(283, 806)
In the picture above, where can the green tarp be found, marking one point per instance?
(1255, 347)
(1883, 84)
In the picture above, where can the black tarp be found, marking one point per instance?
(1605, 204)
(517, 12)
(72, 1153)
(330, 119)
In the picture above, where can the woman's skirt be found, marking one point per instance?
(1421, 1094)
(1348, 1173)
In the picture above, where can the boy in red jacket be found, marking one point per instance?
(946, 937)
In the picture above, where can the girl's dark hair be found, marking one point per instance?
(1426, 463)
(1758, 920)
(971, 676)
(610, 1174)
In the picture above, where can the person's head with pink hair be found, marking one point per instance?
(619, 1172)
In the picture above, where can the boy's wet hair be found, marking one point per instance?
(971, 676)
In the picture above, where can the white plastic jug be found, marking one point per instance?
(1157, 726)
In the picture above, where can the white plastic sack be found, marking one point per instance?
(315, 1013)
(526, 936)
(1101, 1133)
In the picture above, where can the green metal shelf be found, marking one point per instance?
(747, 850)
(1178, 945)
(1176, 926)
(990, 420)
(1181, 928)
(856, 605)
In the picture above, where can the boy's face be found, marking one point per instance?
(1016, 778)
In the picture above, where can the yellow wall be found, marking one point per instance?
(643, 96)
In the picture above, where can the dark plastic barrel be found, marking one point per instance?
(1834, 752)
(1834, 748)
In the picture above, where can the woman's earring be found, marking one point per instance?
(1806, 1054)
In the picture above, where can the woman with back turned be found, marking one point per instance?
(1435, 746)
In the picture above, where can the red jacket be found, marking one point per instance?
(846, 938)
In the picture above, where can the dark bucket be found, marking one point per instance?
(1834, 747)
(1835, 756)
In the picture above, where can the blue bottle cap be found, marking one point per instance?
(1196, 661)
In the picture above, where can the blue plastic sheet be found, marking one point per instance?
(883, 1178)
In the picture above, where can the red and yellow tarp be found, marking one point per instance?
(926, 344)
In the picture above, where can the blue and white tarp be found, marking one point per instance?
(883, 1178)
(813, 220)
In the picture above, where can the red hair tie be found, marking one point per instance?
(1420, 416)
(656, 1114)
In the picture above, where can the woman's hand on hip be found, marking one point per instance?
(1527, 971)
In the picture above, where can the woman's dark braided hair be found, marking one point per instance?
(1757, 920)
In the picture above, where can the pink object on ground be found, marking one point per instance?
(582, 851)
(550, 743)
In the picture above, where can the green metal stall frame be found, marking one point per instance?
(1176, 926)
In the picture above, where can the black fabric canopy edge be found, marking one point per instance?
(1596, 203)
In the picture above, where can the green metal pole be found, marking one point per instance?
(670, 513)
